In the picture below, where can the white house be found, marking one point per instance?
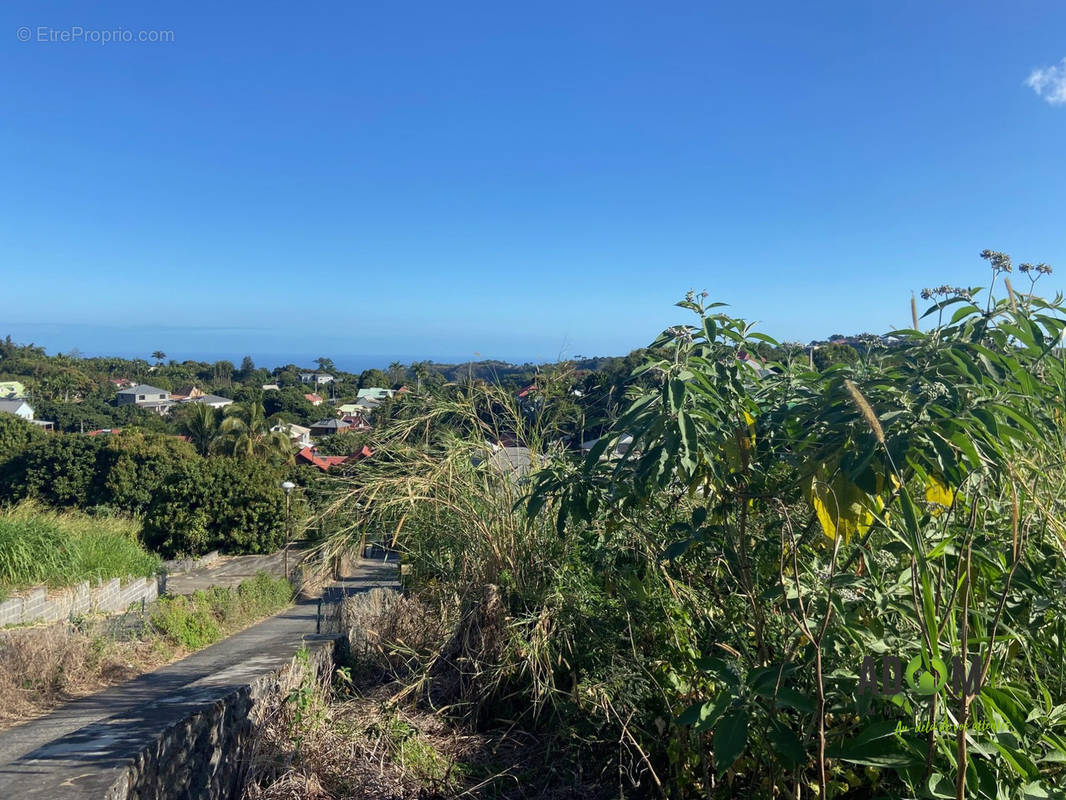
(299, 435)
(317, 378)
(212, 400)
(20, 408)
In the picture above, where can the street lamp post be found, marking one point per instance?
(287, 487)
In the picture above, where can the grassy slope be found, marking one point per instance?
(63, 548)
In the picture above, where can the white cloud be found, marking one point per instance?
(1050, 83)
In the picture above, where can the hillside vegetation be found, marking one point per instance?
(38, 546)
(717, 611)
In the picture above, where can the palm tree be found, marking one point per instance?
(201, 426)
(246, 433)
(397, 373)
(421, 371)
(159, 355)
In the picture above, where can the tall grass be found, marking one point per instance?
(39, 546)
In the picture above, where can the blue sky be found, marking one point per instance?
(515, 180)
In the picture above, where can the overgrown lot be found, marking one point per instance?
(791, 581)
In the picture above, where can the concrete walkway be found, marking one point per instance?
(230, 570)
(74, 752)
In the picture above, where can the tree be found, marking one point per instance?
(373, 378)
(159, 356)
(421, 372)
(234, 506)
(247, 368)
(325, 364)
(16, 434)
(200, 424)
(246, 432)
(397, 374)
(834, 353)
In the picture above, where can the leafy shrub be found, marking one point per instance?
(217, 503)
(84, 472)
(187, 622)
(16, 434)
(206, 616)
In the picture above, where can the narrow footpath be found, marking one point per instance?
(74, 751)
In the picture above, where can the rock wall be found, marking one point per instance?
(205, 752)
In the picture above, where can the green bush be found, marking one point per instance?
(187, 622)
(84, 472)
(217, 503)
(206, 616)
(16, 434)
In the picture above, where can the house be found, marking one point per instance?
(351, 409)
(329, 427)
(298, 434)
(309, 455)
(140, 394)
(316, 378)
(187, 393)
(212, 400)
(12, 390)
(374, 393)
(357, 422)
(271, 387)
(144, 396)
(20, 408)
(121, 383)
(756, 365)
(314, 399)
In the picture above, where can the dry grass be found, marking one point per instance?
(395, 725)
(42, 668)
(367, 747)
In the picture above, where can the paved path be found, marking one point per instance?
(74, 751)
(230, 571)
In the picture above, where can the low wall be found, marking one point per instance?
(43, 605)
(207, 751)
(177, 565)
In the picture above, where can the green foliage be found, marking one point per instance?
(121, 472)
(60, 549)
(203, 618)
(217, 503)
(902, 503)
(701, 590)
(16, 434)
(246, 432)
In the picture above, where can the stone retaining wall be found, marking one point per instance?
(206, 749)
(207, 752)
(42, 605)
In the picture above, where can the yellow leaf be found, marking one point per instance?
(842, 507)
(739, 446)
(938, 493)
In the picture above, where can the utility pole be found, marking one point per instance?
(287, 487)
